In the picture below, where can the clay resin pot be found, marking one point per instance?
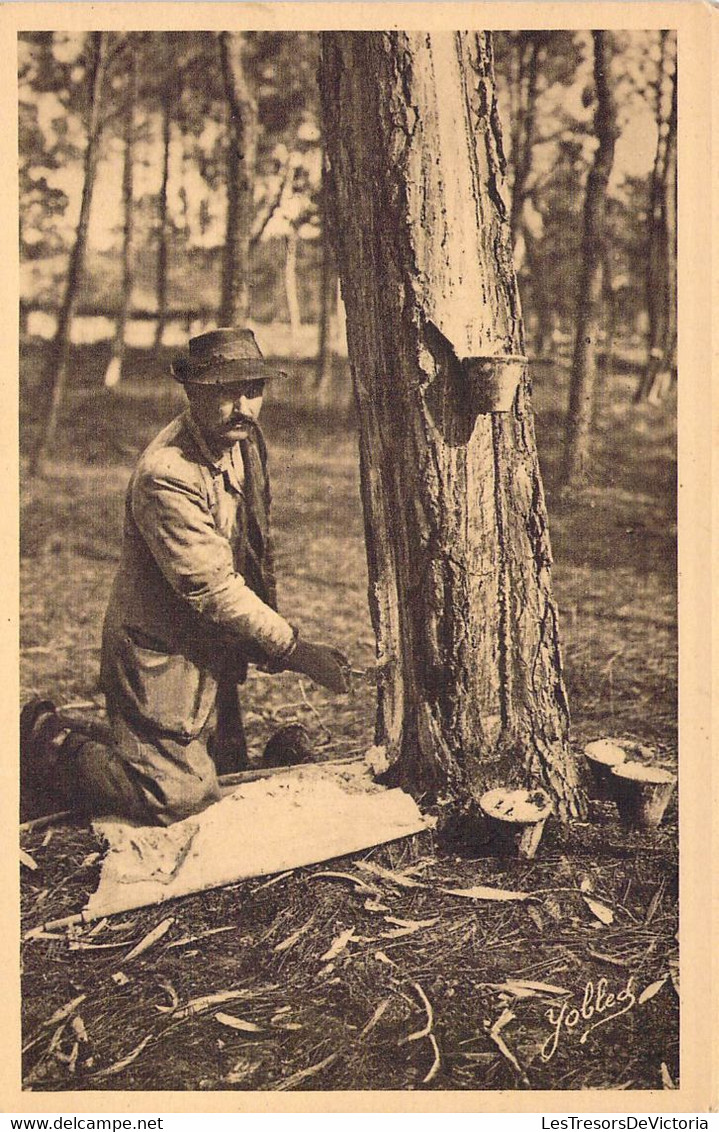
(602, 756)
(516, 819)
(642, 793)
(494, 381)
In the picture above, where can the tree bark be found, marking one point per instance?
(113, 373)
(56, 372)
(584, 365)
(167, 105)
(241, 161)
(470, 690)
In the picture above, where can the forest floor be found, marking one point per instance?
(479, 995)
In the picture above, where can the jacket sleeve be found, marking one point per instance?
(174, 518)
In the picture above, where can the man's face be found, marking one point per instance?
(226, 413)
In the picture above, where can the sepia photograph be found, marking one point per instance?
(348, 638)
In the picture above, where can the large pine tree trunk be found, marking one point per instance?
(470, 689)
(113, 374)
(241, 161)
(161, 278)
(589, 300)
(56, 372)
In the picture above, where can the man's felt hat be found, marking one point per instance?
(222, 357)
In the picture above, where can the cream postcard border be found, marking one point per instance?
(697, 25)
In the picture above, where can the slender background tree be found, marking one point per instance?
(582, 384)
(58, 358)
(113, 373)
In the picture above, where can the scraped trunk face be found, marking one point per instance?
(470, 691)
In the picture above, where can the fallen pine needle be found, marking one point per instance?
(652, 989)
(338, 945)
(271, 881)
(291, 940)
(303, 1074)
(382, 958)
(400, 879)
(64, 1011)
(607, 958)
(171, 993)
(238, 1023)
(83, 945)
(371, 905)
(360, 884)
(426, 1031)
(413, 924)
(207, 1001)
(202, 935)
(495, 1035)
(667, 1082)
(45, 820)
(124, 1061)
(526, 987)
(604, 914)
(654, 903)
(399, 933)
(434, 1070)
(375, 1018)
(151, 938)
(482, 892)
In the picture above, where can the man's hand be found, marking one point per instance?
(322, 663)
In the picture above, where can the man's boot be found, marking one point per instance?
(43, 735)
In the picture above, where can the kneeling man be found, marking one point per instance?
(193, 603)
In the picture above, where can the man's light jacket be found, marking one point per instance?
(194, 597)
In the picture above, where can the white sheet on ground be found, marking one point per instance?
(309, 814)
